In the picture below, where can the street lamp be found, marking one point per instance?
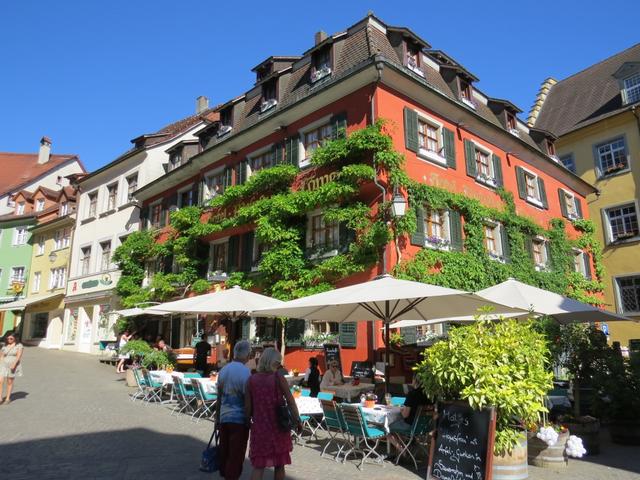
(398, 205)
(53, 257)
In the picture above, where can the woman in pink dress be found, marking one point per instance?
(269, 446)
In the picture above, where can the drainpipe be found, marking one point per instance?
(636, 113)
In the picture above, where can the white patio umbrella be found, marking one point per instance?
(135, 311)
(384, 298)
(537, 301)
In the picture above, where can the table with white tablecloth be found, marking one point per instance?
(309, 406)
(293, 380)
(382, 415)
(349, 392)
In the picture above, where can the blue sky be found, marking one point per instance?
(93, 75)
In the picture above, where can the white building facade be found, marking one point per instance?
(106, 215)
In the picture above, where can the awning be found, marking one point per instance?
(21, 304)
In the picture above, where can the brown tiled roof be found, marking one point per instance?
(19, 169)
(586, 97)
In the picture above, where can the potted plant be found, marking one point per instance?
(504, 364)
(546, 444)
(370, 400)
(157, 359)
(136, 349)
(396, 339)
(296, 391)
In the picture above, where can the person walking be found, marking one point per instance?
(312, 377)
(123, 357)
(269, 445)
(10, 364)
(231, 420)
(203, 350)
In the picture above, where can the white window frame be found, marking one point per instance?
(20, 208)
(210, 271)
(37, 278)
(305, 160)
(489, 181)
(129, 198)
(150, 219)
(567, 193)
(540, 267)
(57, 278)
(57, 239)
(606, 222)
(40, 246)
(596, 150)
(578, 266)
(81, 262)
(20, 238)
(533, 200)
(258, 153)
(310, 245)
(636, 86)
(188, 188)
(94, 207)
(208, 194)
(12, 277)
(498, 255)
(109, 206)
(444, 242)
(427, 154)
(40, 204)
(618, 294)
(64, 209)
(109, 265)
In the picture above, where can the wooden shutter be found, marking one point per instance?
(543, 193)
(563, 203)
(411, 129)
(547, 250)
(528, 243)
(241, 172)
(504, 238)
(497, 169)
(144, 217)
(587, 265)
(228, 181)
(522, 183)
(201, 187)
(339, 125)
(455, 230)
(449, 147)
(294, 331)
(578, 207)
(470, 158)
(277, 153)
(292, 150)
(232, 253)
(246, 328)
(417, 238)
(348, 334)
(409, 335)
(247, 251)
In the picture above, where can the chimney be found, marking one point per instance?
(45, 150)
(202, 103)
(320, 37)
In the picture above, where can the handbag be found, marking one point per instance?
(283, 412)
(210, 462)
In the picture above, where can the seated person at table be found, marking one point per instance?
(415, 398)
(332, 377)
(163, 347)
(312, 377)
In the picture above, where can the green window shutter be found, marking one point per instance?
(294, 331)
(547, 250)
(200, 197)
(411, 129)
(277, 153)
(578, 207)
(417, 238)
(409, 335)
(504, 238)
(543, 193)
(455, 230)
(144, 217)
(522, 183)
(497, 169)
(349, 334)
(470, 158)
(228, 181)
(563, 203)
(241, 172)
(339, 124)
(246, 328)
(247, 251)
(232, 253)
(587, 265)
(449, 147)
(292, 150)
(528, 243)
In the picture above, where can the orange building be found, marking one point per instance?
(452, 135)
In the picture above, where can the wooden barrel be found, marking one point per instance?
(542, 455)
(512, 466)
(589, 433)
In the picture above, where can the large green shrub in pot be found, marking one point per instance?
(156, 359)
(137, 348)
(504, 364)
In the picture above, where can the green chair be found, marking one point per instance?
(141, 384)
(207, 401)
(421, 426)
(334, 426)
(366, 437)
(186, 397)
(398, 401)
(153, 389)
(325, 396)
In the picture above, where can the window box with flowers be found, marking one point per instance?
(487, 180)
(437, 243)
(615, 168)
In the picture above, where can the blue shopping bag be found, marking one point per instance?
(209, 461)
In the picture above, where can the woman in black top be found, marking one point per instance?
(312, 377)
(203, 350)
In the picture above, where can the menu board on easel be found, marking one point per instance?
(462, 446)
(331, 353)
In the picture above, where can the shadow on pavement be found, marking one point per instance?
(18, 395)
(622, 457)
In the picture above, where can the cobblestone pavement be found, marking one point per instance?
(71, 418)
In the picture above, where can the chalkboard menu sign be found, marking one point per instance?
(462, 447)
(331, 353)
(362, 370)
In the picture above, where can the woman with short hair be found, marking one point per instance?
(10, 364)
(269, 446)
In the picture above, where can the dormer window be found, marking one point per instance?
(512, 124)
(413, 58)
(226, 121)
(175, 160)
(269, 95)
(20, 208)
(466, 94)
(631, 92)
(551, 148)
(39, 204)
(321, 64)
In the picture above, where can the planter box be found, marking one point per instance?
(542, 455)
(512, 466)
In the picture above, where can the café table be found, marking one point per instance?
(293, 380)
(349, 392)
(383, 416)
(309, 406)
